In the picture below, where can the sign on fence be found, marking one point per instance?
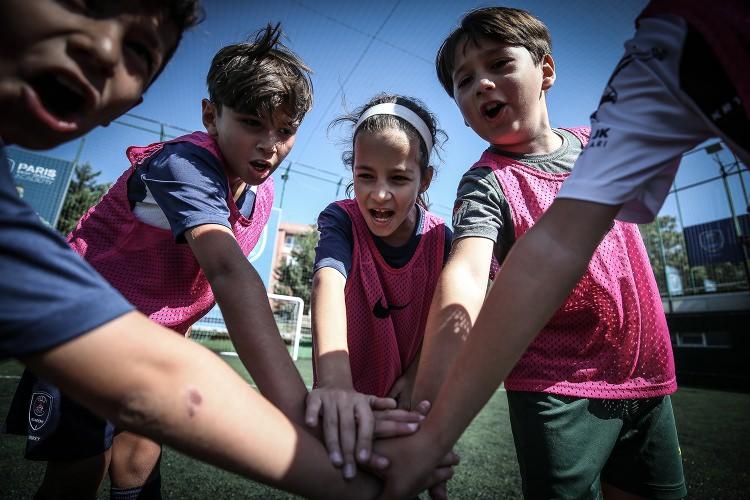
(41, 181)
(716, 241)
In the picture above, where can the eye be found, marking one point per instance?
(499, 64)
(143, 53)
(365, 176)
(463, 81)
(401, 178)
(251, 121)
(287, 132)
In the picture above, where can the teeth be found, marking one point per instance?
(69, 83)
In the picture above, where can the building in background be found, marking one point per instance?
(699, 247)
(286, 238)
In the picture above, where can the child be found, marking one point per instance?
(172, 235)
(376, 267)
(589, 399)
(57, 314)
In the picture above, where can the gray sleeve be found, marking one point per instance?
(481, 210)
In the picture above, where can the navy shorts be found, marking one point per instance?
(55, 426)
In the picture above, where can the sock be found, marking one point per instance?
(149, 491)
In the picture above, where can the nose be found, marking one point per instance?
(99, 46)
(267, 143)
(485, 84)
(382, 193)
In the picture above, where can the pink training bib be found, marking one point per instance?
(161, 278)
(609, 339)
(386, 308)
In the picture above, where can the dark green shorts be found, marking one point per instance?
(567, 445)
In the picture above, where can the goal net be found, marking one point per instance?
(211, 331)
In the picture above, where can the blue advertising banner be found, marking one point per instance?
(261, 257)
(716, 241)
(41, 181)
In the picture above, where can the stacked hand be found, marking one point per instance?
(351, 420)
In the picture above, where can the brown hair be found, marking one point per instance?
(260, 76)
(503, 24)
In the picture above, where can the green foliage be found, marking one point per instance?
(83, 192)
(295, 277)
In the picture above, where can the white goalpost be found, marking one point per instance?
(211, 330)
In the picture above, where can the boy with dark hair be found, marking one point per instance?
(66, 67)
(592, 392)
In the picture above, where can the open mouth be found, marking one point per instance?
(60, 95)
(260, 165)
(492, 109)
(381, 215)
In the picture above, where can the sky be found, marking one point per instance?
(357, 50)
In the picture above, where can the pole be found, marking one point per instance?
(284, 178)
(77, 157)
(737, 228)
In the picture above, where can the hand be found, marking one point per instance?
(401, 390)
(414, 466)
(349, 422)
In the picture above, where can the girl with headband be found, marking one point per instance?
(376, 267)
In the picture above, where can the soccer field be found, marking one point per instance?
(713, 426)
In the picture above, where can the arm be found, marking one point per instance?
(244, 304)
(403, 387)
(181, 394)
(458, 297)
(348, 420)
(539, 272)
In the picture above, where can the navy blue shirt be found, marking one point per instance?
(183, 186)
(336, 242)
(48, 294)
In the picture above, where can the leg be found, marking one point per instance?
(646, 460)
(73, 478)
(73, 441)
(135, 465)
(562, 443)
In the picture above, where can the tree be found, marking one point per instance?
(83, 192)
(295, 276)
(662, 236)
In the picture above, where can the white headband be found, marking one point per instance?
(391, 108)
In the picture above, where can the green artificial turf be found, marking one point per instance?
(712, 425)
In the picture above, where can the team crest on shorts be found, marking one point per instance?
(39, 409)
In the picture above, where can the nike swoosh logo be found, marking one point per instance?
(382, 312)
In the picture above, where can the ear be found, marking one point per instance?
(209, 114)
(426, 179)
(548, 72)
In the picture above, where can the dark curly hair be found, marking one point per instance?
(380, 123)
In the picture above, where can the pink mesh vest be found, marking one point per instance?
(609, 339)
(160, 277)
(725, 26)
(386, 308)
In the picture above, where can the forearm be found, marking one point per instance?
(244, 304)
(179, 393)
(537, 276)
(328, 311)
(455, 305)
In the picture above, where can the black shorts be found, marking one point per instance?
(55, 426)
